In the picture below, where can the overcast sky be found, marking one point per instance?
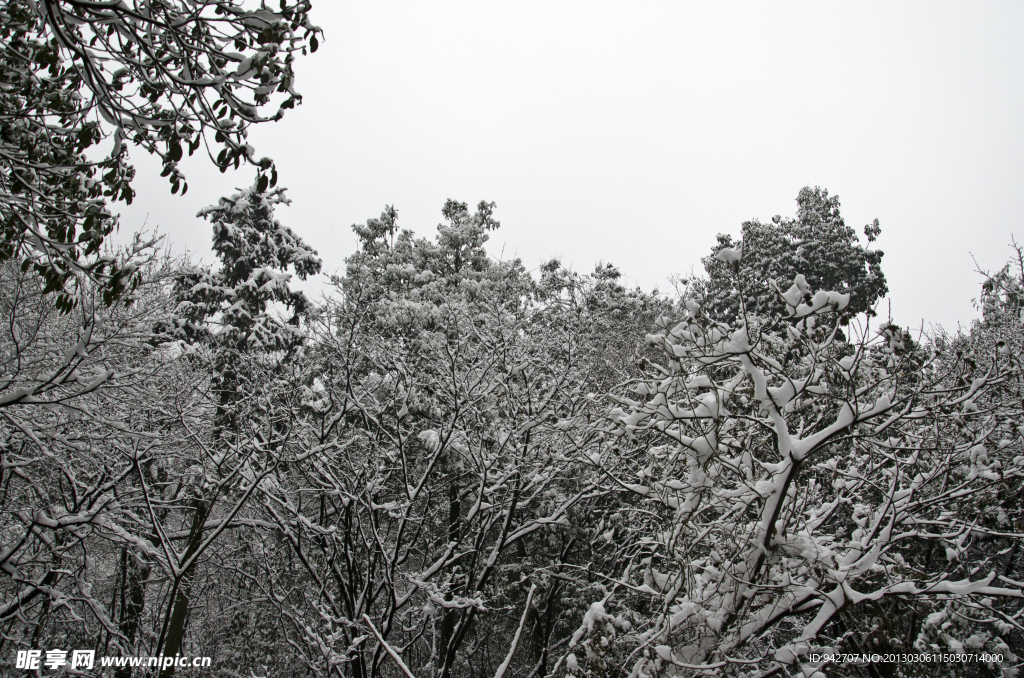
(633, 132)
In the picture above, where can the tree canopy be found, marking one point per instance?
(165, 76)
(452, 466)
(817, 244)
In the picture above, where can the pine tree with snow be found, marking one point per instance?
(248, 317)
(817, 243)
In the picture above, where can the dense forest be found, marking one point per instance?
(451, 465)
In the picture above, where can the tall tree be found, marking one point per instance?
(235, 312)
(441, 396)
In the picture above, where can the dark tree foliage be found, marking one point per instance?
(255, 251)
(166, 75)
(817, 243)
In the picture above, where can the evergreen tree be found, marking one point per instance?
(817, 243)
(232, 311)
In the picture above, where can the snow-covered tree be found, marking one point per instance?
(795, 489)
(167, 76)
(233, 316)
(136, 452)
(75, 397)
(816, 244)
(438, 489)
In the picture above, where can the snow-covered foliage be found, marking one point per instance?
(235, 305)
(165, 76)
(445, 389)
(813, 493)
(452, 467)
(817, 244)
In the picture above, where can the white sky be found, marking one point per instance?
(633, 132)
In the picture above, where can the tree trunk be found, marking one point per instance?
(176, 626)
(134, 579)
